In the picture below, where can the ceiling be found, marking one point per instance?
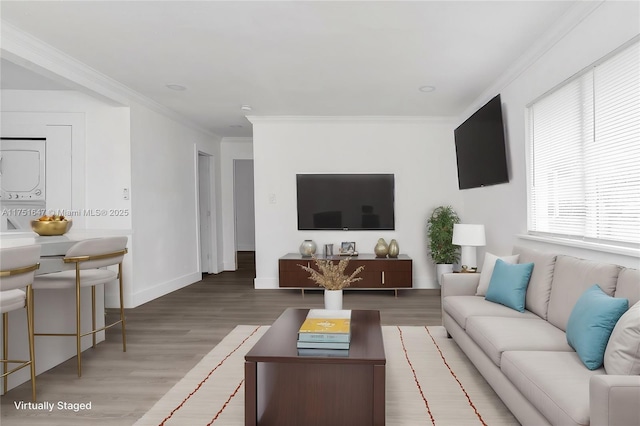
(322, 58)
(16, 77)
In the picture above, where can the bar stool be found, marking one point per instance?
(18, 269)
(89, 257)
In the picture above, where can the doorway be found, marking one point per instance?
(206, 209)
(245, 223)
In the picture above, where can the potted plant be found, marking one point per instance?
(331, 276)
(440, 232)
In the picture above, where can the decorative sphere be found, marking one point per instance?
(307, 248)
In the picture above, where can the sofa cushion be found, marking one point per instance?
(628, 285)
(508, 285)
(539, 288)
(487, 270)
(571, 277)
(555, 382)
(463, 307)
(496, 335)
(591, 323)
(622, 355)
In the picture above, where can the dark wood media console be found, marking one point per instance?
(378, 273)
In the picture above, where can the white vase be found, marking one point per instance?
(443, 268)
(333, 299)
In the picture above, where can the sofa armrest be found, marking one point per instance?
(614, 400)
(459, 284)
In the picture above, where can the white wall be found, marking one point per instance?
(106, 167)
(503, 208)
(419, 152)
(231, 149)
(245, 217)
(164, 199)
(101, 166)
(155, 157)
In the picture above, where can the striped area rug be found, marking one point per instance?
(429, 382)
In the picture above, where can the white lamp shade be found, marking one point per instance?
(465, 234)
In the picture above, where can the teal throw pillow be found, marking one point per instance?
(508, 284)
(591, 323)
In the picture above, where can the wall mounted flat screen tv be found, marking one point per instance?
(345, 201)
(480, 148)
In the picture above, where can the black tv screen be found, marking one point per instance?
(480, 148)
(345, 201)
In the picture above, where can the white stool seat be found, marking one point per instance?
(90, 258)
(17, 269)
(11, 300)
(67, 279)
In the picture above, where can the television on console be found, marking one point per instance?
(345, 201)
(480, 148)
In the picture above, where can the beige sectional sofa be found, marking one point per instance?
(525, 356)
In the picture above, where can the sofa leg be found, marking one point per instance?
(448, 335)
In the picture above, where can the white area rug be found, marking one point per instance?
(429, 382)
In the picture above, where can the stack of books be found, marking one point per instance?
(325, 332)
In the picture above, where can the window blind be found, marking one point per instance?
(584, 141)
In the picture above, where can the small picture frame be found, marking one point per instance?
(348, 247)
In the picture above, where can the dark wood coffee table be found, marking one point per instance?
(282, 388)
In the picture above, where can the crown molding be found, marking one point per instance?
(349, 119)
(32, 53)
(35, 55)
(565, 24)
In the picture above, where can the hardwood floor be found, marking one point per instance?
(168, 336)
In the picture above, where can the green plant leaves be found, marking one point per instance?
(440, 232)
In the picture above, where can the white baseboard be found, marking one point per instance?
(265, 283)
(164, 288)
(425, 282)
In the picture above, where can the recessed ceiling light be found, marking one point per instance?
(177, 87)
(246, 107)
(236, 126)
(427, 89)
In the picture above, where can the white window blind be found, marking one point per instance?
(584, 141)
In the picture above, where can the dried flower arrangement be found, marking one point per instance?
(331, 275)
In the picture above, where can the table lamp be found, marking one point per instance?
(468, 237)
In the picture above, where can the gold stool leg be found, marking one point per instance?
(5, 350)
(78, 348)
(124, 332)
(30, 330)
(93, 315)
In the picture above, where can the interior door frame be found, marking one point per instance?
(206, 203)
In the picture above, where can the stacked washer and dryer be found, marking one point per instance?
(22, 182)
